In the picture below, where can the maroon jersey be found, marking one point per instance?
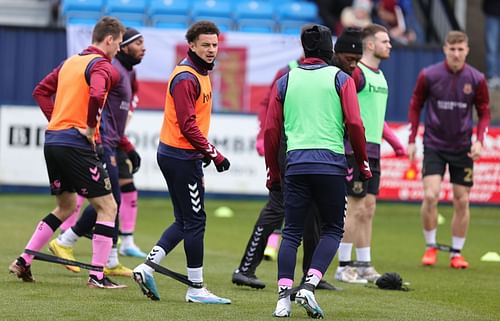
(449, 99)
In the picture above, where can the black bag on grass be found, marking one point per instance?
(391, 281)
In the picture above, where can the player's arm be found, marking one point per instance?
(102, 76)
(272, 133)
(482, 104)
(185, 90)
(45, 90)
(416, 104)
(393, 140)
(359, 79)
(262, 113)
(352, 118)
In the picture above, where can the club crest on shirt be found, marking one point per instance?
(357, 187)
(467, 89)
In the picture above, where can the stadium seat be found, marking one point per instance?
(75, 20)
(129, 21)
(217, 11)
(291, 27)
(82, 11)
(282, 1)
(293, 15)
(256, 25)
(224, 24)
(168, 24)
(297, 10)
(131, 13)
(255, 16)
(169, 13)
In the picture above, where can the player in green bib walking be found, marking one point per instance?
(311, 108)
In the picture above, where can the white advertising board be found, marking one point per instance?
(22, 161)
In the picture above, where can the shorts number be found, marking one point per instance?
(468, 175)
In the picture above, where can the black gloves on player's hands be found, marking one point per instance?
(206, 161)
(135, 159)
(275, 187)
(211, 153)
(99, 150)
(223, 165)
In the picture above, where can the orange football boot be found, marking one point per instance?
(430, 256)
(458, 262)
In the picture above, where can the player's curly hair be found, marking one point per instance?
(199, 28)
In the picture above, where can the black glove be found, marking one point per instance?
(391, 281)
(223, 166)
(99, 150)
(135, 159)
(275, 187)
(206, 161)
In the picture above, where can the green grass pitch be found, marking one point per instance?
(439, 293)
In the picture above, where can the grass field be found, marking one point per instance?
(439, 293)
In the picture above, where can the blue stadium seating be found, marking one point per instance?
(224, 24)
(297, 10)
(82, 11)
(217, 11)
(254, 16)
(130, 12)
(169, 13)
(82, 20)
(292, 15)
(286, 16)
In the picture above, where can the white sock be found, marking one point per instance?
(113, 258)
(282, 289)
(156, 255)
(68, 238)
(430, 236)
(312, 278)
(344, 252)
(127, 241)
(195, 275)
(457, 243)
(363, 254)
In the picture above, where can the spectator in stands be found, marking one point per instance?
(389, 13)
(411, 20)
(491, 9)
(358, 15)
(54, 11)
(330, 11)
